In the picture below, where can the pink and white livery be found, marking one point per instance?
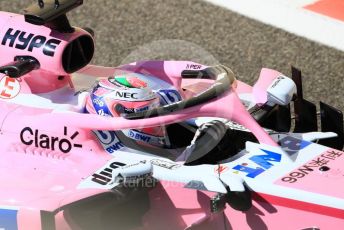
(154, 144)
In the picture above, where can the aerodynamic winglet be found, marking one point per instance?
(332, 121)
(51, 14)
(305, 111)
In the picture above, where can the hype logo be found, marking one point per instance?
(27, 41)
(9, 87)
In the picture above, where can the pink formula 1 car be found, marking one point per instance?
(154, 144)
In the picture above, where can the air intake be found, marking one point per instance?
(78, 54)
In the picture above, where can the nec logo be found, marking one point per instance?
(22, 40)
(126, 95)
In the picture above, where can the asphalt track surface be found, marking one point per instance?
(128, 30)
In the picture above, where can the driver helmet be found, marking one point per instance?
(124, 94)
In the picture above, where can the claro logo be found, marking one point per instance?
(23, 40)
(28, 136)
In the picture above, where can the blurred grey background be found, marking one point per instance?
(128, 30)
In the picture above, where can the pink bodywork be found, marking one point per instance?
(46, 78)
(47, 180)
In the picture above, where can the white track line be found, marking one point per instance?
(291, 17)
(296, 3)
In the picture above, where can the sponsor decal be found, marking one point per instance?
(165, 164)
(169, 96)
(98, 101)
(23, 40)
(276, 81)
(104, 177)
(114, 91)
(260, 160)
(145, 108)
(28, 136)
(139, 136)
(119, 108)
(109, 141)
(132, 165)
(99, 105)
(260, 163)
(193, 66)
(8, 219)
(9, 87)
(319, 163)
(132, 179)
(220, 169)
(122, 109)
(292, 145)
(124, 95)
(114, 173)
